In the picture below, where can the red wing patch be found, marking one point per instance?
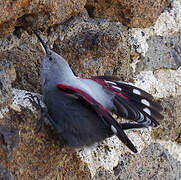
(70, 89)
(111, 86)
(101, 111)
(85, 96)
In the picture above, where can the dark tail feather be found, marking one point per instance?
(107, 78)
(127, 126)
(124, 138)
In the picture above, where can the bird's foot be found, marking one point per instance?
(35, 101)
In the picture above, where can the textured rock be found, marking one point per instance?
(31, 155)
(5, 174)
(162, 52)
(94, 47)
(154, 162)
(130, 13)
(172, 121)
(6, 77)
(167, 28)
(173, 147)
(107, 154)
(9, 138)
(25, 13)
(22, 67)
(169, 22)
(8, 42)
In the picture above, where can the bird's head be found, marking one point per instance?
(54, 67)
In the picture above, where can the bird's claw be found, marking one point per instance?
(35, 101)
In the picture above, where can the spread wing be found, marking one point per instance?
(131, 102)
(101, 111)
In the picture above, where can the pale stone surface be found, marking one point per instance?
(168, 23)
(154, 162)
(173, 148)
(158, 84)
(107, 154)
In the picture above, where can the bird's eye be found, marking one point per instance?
(50, 58)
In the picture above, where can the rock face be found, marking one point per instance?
(161, 166)
(95, 47)
(171, 121)
(5, 82)
(28, 154)
(4, 173)
(36, 13)
(163, 52)
(130, 13)
(150, 58)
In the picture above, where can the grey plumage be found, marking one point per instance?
(77, 124)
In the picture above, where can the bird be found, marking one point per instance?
(81, 109)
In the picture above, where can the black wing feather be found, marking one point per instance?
(131, 102)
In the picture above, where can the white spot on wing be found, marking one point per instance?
(136, 91)
(117, 88)
(113, 129)
(147, 111)
(144, 101)
(110, 82)
(148, 121)
(141, 118)
(153, 124)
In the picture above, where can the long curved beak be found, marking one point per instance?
(42, 42)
